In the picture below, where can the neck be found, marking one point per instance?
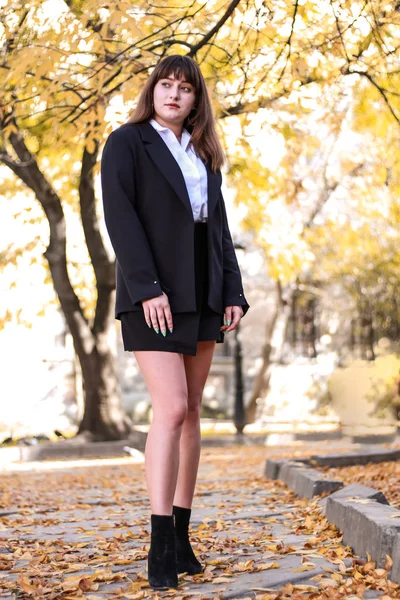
(176, 128)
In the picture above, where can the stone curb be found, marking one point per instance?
(273, 466)
(288, 472)
(369, 524)
(361, 457)
(276, 468)
(357, 490)
(75, 450)
(309, 483)
(72, 449)
(300, 477)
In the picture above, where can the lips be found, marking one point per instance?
(172, 105)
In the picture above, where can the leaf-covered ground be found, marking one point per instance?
(382, 476)
(82, 532)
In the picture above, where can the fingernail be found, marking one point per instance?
(228, 321)
(156, 329)
(171, 329)
(164, 332)
(149, 324)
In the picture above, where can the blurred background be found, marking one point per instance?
(307, 100)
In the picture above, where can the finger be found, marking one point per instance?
(224, 326)
(228, 319)
(237, 315)
(147, 316)
(235, 323)
(228, 315)
(235, 318)
(231, 327)
(168, 317)
(154, 320)
(161, 320)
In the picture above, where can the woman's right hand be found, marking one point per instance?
(157, 313)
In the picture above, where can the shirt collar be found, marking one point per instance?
(185, 134)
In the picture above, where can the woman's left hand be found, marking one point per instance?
(232, 314)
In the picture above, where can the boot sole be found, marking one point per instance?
(163, 587)
(189, 572)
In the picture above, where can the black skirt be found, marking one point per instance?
(189, 327)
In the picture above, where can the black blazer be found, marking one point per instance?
(150, 222)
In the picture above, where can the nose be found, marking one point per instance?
(174, 92)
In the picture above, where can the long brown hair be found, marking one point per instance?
(200, 122)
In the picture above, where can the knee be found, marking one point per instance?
(194, 407)
(178, 415)
(173, 414)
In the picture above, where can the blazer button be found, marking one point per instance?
(154, 281)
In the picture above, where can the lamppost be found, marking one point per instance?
(239, 415)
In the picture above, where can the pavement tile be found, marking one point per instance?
(106, 529)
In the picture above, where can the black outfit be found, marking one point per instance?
(186, 561)
(188, 328)
(161, 560)
(159, 247)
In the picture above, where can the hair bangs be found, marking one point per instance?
(200, 123)
(180, 68)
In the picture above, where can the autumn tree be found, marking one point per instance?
(60, 72)
(63, 74)
(330, 212)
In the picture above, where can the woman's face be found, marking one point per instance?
(173, 100)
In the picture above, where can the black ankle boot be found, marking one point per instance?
(185, 558)
(161, 564)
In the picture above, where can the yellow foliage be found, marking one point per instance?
(310, 81)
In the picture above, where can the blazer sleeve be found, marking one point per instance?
(233, 294)
(126, 232)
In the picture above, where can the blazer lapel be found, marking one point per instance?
(164, 160)
(168, 166)
(213, 187)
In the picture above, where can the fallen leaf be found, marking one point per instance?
(266, 566)
(307, 566)
(324, 583)
(87, 585)
(388, 563)
(243, 565)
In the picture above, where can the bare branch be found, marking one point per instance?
(103, 267)
(26, 168)
(380, 89)
(338, 29)
(289, 41)
(215, 29)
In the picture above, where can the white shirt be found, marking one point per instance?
(193, 170)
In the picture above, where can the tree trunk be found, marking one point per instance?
(103, 417)
(261, 383)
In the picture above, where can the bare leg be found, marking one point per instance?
(164, 374)
(197, 369)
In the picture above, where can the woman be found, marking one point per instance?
(177, 274)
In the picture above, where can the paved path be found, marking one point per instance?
(83, 532)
